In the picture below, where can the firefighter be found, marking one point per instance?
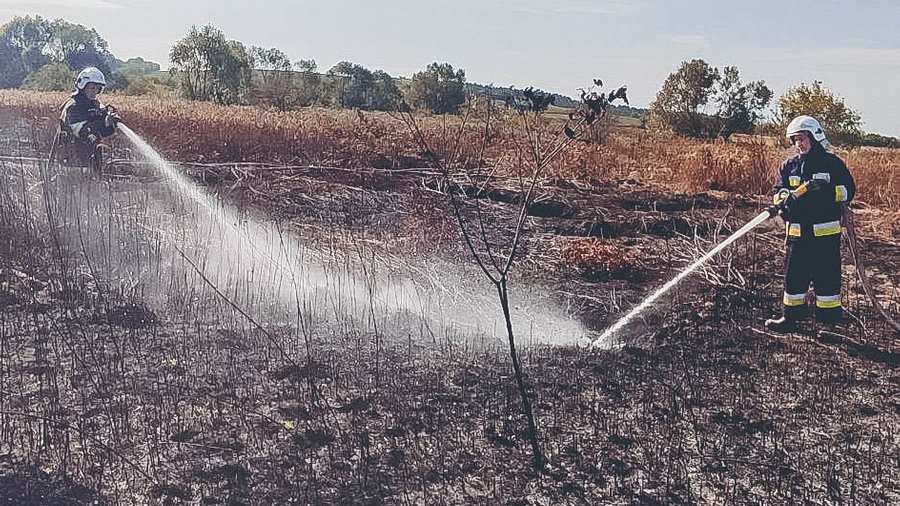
(813, 225)
(84, 121)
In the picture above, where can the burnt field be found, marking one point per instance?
(153, 349)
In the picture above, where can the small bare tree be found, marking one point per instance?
(464, 173)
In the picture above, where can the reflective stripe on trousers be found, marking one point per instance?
(816, 261)
(828, 301)
(794, 299)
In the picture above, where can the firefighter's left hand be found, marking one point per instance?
(818, 185)
(821, 191)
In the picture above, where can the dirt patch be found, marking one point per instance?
(596, 228)
(596, 260)
(669, 227)
(23, 483)
(131, 316)
(642, 200)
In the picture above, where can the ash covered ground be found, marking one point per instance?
(168, 392)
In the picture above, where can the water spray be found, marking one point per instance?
(308, 276)
(786, 200)
(169, 172)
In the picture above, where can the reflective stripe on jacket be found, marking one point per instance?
(818, 212)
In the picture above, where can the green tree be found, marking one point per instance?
(842, 124)
(28, 44)
(22, 43)
(55, 76)
(439, 89)
(880, 141)
(740, 104)
(151, 84)
(385, 95)
(273, 83)
(353, 85)
(136, 67)
(138, 76)
(699, 101)
(678, 104)
(308, 83)
(211, 67)
(79, 47)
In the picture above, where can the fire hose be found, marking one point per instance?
(853, 246)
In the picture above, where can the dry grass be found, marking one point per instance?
(746, 166)
(199, 131)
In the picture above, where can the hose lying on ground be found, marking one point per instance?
(860, 267)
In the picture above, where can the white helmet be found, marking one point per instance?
(89, 75)
(808, 124)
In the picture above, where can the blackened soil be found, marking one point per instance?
(697, 404)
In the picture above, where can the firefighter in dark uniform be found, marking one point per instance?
(84, 121)
(815, 184)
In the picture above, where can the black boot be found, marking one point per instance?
(782, 325)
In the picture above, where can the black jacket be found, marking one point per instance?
(83, 117)
(815, 213)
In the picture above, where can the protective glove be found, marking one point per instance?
(815, 185)
(112, 117)
(781, 196)
(93, 139)
(782, 202)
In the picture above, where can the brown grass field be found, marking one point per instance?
(203, 132)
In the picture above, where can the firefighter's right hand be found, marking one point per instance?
(92, 139)
(112, 118)
(781, 196)
(782, 201)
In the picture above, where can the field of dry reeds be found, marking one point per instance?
(190, 131)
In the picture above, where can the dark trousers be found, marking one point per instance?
(816, 260)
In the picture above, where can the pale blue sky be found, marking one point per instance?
(852, 47)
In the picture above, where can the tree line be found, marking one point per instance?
(211, 67)
(697, 100)
(39, 54)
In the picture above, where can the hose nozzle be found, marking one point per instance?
(785, 198)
